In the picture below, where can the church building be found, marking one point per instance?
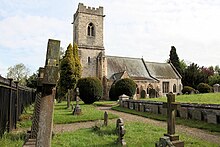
(88, 35)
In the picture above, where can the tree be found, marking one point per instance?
(18, 72)
(78, 68)
(193, 75)
(215, 79)
(174, 59)
(183, 66)
(206, 73)
(32, 80)
(217, 69)
(67, 78)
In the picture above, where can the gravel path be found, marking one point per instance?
(204, 135)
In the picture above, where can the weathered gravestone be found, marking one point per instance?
(173, 139)
(216, 88)
(41, 131)
(120, 129)
(106, 118)
(77, 109)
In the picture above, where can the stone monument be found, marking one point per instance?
(170, 138)
(120, 129)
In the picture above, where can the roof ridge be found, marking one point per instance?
(155, 62)
(123, 57)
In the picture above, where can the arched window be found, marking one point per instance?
(91, 30)
(174, 88)
(138, 90)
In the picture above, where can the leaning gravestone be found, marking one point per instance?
(170, 139)
(41, 131)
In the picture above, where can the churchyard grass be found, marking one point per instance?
(25, 118)
(62, 115)
(137, 134)
(12, 139)
(207, 98)
(105, 103)
(187, 122)
(89, 113)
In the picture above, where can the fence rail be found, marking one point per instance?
(13, 99)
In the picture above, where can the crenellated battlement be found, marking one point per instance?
(89, 10)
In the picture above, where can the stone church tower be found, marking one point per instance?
(88, 35)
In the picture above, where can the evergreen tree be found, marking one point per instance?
(78, 67)
(67, 68)
(174, 59)
(193, 76)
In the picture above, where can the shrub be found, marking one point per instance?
(204, 88)
(90, 89)
(112, 94)
(153, 93)
(143, 94)
(187, 89)
(125, 86)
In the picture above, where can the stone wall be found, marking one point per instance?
(205, 112)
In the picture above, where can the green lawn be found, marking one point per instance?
(208, 98)
(187, 122)
(137, 134)
(89, 113)
(65, 116)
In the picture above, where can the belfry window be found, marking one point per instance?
(91, 30)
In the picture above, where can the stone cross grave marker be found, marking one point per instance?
(77, 109)
(171, 106)
(106, 118)
(120, 129)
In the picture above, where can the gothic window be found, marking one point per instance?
(91, 30)
(165, 87)
(174, 88)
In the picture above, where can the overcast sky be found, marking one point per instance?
(132, 28)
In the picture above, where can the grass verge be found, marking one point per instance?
(180, 121)
(12, 139)
(137, 134)
(207, 98)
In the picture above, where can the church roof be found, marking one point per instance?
(162, 70)
(133, 66)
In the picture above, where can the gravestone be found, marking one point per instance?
(41, 130)
(77, 109)
(171, 106)
(106, 118)
(120, 129)
(216, 88)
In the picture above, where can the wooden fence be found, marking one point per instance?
(13, 99)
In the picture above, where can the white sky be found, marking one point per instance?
(132, 28)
